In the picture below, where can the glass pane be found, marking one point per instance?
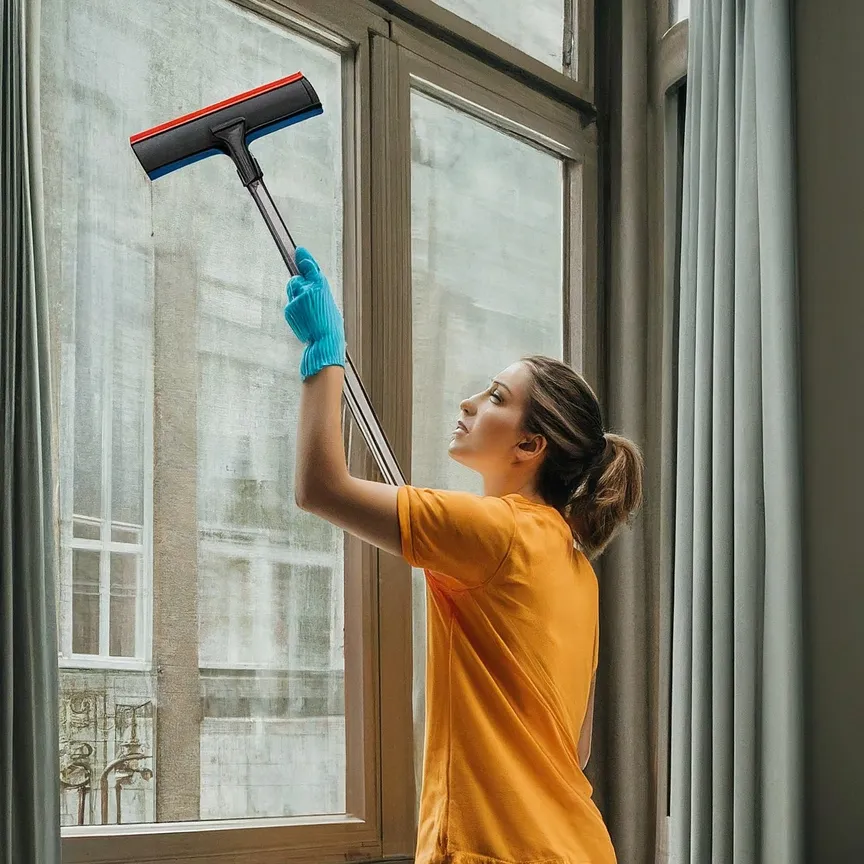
(133, 302)
(125, 534)
(105, 715)
(86, 529)
(123, 609)
(537, 28)
(85, 602)
(84, 360)
(251, 720)
(487, 258)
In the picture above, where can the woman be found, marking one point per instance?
(512, 598)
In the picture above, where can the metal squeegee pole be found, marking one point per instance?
(355, 394)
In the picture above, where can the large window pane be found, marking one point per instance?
(537, 27)
(487, 259)
(245, 717)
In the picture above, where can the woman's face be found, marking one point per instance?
(489, 437)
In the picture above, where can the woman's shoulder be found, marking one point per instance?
(457, 502)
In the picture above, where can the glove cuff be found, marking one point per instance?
(328, 351)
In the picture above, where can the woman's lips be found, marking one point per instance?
(460, 427)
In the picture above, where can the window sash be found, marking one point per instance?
(412, 59)
(575, 82)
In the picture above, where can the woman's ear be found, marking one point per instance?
(532, 447)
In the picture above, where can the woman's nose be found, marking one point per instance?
(467, 406)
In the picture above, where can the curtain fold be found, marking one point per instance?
(29, 803)
(736, 745)
(624, 752)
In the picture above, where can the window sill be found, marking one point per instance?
(106, 664)
(318, 839)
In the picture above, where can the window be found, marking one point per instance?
(156, 281)
(225, 660)
(492, 225)
(540, 29)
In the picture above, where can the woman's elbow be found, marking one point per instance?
(307, 497)
(301, 499)
(317, 497)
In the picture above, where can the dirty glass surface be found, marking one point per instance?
(487, 257)
(537, 28)
(201, 615)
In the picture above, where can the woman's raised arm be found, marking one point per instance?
(322, 483)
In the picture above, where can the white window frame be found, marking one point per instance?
(69, 543)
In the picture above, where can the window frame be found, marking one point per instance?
(410, 55)
(140, 660)
(348, 28)
(668, 59)
(439, 71)
(69, 543)
(576, 83)
(380, 783)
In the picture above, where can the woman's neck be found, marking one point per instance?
(499, 487)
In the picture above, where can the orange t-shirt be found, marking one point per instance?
(512, 650)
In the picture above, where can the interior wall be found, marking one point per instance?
(830, 81)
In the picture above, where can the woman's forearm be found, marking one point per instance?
(322, 483)
(321, 470)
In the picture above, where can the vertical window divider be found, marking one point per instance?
(107, 468)
(390, 293)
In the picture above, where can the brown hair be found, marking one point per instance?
(592, 477)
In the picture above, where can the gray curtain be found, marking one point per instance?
(736, 746)
(625, 730)
(29, 801)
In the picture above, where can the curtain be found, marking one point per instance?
(736, 745)
(625, 727)
(29, 802)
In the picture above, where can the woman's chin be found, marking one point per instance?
(456, 451)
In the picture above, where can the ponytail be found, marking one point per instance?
(592, 477)
(610, 491)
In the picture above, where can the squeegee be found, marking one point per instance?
(228, 128)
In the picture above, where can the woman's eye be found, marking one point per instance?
(495, 397)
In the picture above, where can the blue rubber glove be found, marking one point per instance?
(314, 317)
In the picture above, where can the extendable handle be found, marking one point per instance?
(355, 393)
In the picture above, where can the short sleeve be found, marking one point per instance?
(462, 539)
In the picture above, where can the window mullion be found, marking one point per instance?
(107, 468)
(391, 335)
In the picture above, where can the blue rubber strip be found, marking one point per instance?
(253, 136)
(182, 163)
(283, 124)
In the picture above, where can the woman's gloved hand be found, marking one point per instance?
(314, 317)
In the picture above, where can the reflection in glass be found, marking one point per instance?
(85, 602)
(124, 591)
